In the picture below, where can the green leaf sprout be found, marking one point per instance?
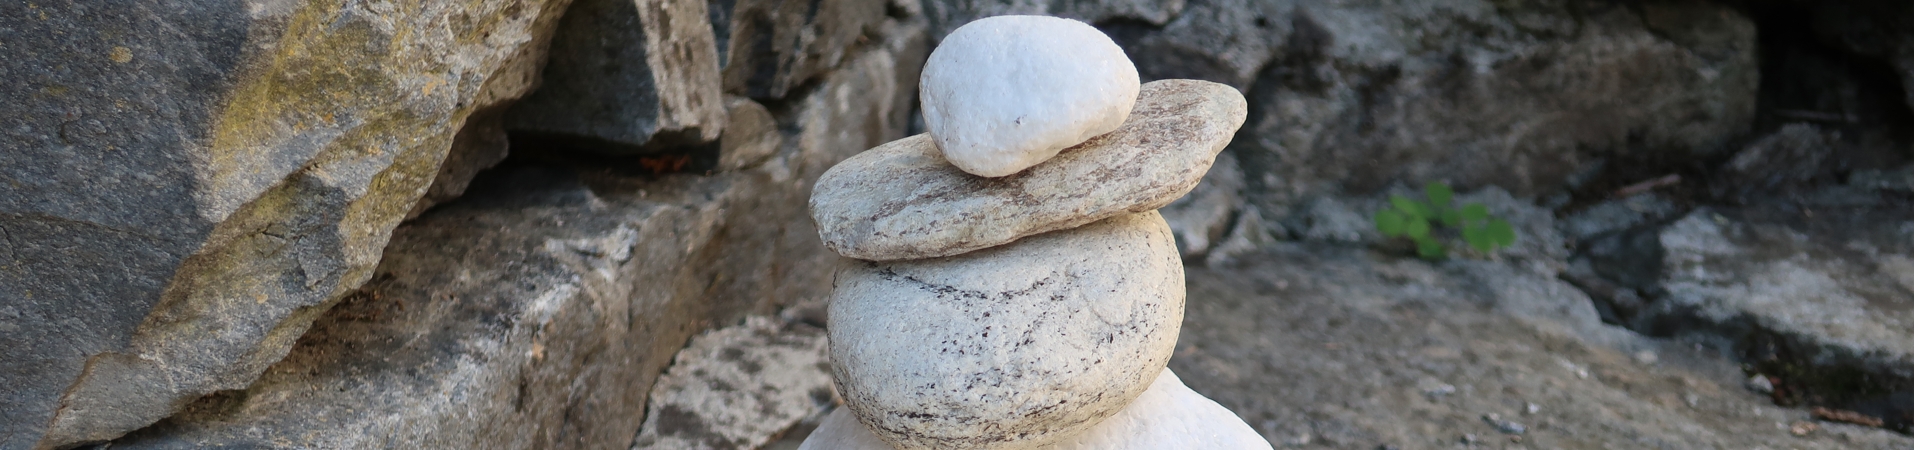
(1414, 220)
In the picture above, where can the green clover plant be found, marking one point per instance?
(1421, 222)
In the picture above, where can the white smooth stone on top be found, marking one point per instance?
(1003, 93)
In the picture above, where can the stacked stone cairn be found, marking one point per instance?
(1011, 285)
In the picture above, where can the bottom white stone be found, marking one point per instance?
(1167, 416)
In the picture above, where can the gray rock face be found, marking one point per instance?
(188, 185)
(623, 79)
(738, 387)
(1519, 97)
(1010, 347)
(540, 299)
(903, 201)
(1789, 157)
(1831, 290)
(535, 296)
(1618, 215)
(481, 143)
(751, 136)
(770, 48)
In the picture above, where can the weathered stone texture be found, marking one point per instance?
(537, 310)
(626, 79)
(1539, 93)
(1831, 290)
(187, 185)
(769, 48)
(739, 387)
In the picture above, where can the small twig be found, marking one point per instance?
(1845, 416)
(1669, 180)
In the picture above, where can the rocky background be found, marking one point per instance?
(580, 224)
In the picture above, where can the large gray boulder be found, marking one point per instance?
(188, 185)
(539, 309)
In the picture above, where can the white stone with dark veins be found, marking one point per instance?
(1168, 416)
(901, 200)
(1003, 93)
(1010, 347)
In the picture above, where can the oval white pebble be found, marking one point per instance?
(1003, 93)
(1013, 346)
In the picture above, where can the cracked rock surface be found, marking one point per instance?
(188, 185)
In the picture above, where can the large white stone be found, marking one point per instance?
(1003, 93)
(1012, 346)
(902, 201)
(1168, 416)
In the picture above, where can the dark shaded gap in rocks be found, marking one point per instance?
(720, 16)
(576, 152)
(1803, 78)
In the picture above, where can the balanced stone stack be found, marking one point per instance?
(1012, 285)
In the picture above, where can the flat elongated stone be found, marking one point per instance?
(901, 200)
(1003, 93)
(1167, 416)
(1021, 344)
